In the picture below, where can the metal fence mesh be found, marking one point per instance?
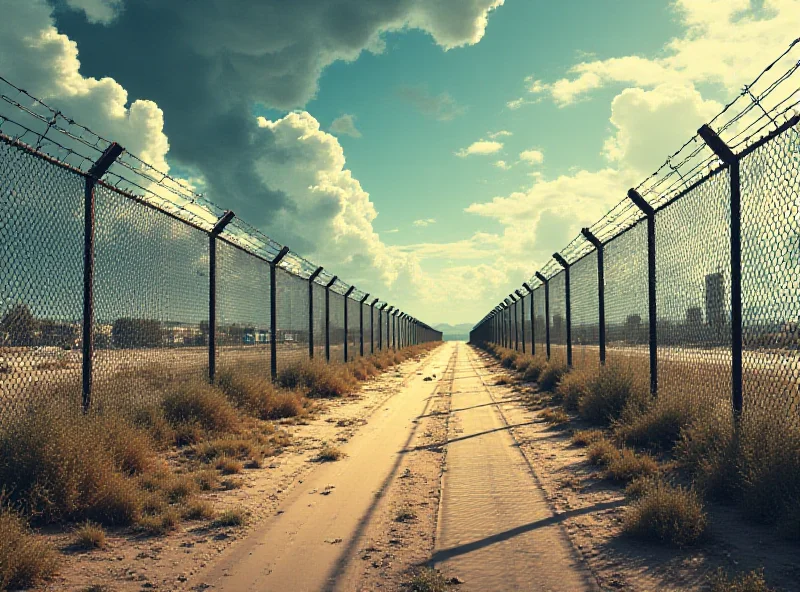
(558, 319)
(243, 311)
(626, 301)
(771, 278)
(318, 295)
(41, 279)
(337, 327)
(353, 329)
(291, 318)
(585, 312)
(151, 302)
(539, 322)
(693, 295)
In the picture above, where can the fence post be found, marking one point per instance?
(650, 213)
(372, 326)
(273, 312)
(513, 327)
(311, 279)
(328, 318)
(732, 160)
(533, 320)
(522, 324)
(224, 220)
(346, 324)
(361, 323)
(601, 292)
(97, 170)
(546, 283)
(388, 324)
(568, 298)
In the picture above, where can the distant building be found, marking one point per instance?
(715, 300)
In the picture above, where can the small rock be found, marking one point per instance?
(455, 580)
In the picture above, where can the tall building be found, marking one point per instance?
(715, 300)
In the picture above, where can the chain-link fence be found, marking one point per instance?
(118, 279)
(693, 281)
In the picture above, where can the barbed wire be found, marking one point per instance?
(752, 116)
(32, 123)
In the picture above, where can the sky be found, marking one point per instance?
(434, 153)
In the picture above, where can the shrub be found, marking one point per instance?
(551, 375)
(428, 580)
(612, 391)
(627, 465)
(198, 510)
(240, 448)
(534, 370)
(554, 416)
(160, 523)
(25, 559)
(503, 380)
(659, 426)
(319, 379)
(508, 358)
(666, 513)
(206, 480)
(229, 466)
(228, 518)
(586, 437)
(259, 397)
(70, 466)
(522, 362)
(200, 404)
(709, 450)
(329, 454)
(89, 536)
(602, 452)
(744, 582)
(572, 388)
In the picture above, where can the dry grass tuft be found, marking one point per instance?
(319, 379)
(25, 559)
(198, 510)
(659, 425)
(744, 582)
(159, 523)
(89, 536)
(554, 416)
(666, 513)
(259, 397)
(601, 452)
(508, 358)
(572, 388)
(230, 518)
(405, 514)
(534, 369)
(428, 580)
(503, 380)
(587, 437)
(551, 375)
(610, 392)
(329, 453)
(627, 465)
(202, 405)
(229, 466)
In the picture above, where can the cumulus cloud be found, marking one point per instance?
(517, 103)
(442, 107)
(531, 156)
(345, 125)
(500, 134)
(481, 148)
(503, 165)
(424, 222)
(97, 11)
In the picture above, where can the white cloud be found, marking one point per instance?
(97, 11)
(442, 107)
(502, 164)
(392, 231)
(345, 125)
(424, 222)
(531, 156)
(500, 134)
(516, 103)
(481, 147)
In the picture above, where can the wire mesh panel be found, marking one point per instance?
(292, 318)
(514, 325)
(243, 313)
(151, 302)
(353, 330)
(337, 327)
(41, 279)
(771, 279)
(558, 318)
(366, 311)
(625, 271)
(539, 321)
(318, 295)
(585, 312)
(525, 323)
(693, 296)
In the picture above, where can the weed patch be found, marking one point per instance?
(668, 514)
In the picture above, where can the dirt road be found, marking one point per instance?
(496, 529)
(316, 532)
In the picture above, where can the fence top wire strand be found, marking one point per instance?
(770, 101)
(30, 123)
